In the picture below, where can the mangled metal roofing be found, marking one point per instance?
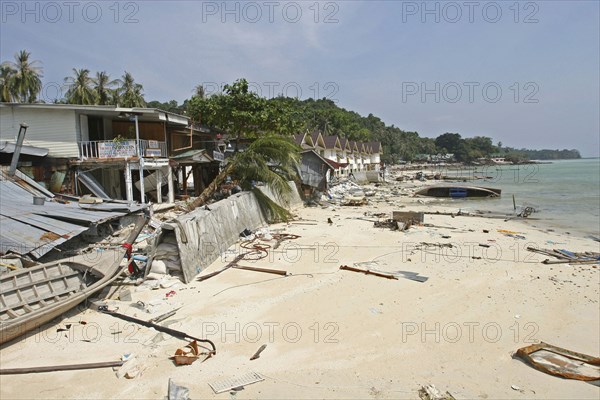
(31, 229)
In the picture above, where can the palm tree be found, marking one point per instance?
(6, 73)
(271, 159)
(25, 82)
(130, 93)
(103, 88)
(80, 87)
(199, 91)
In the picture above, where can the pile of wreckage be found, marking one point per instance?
(58, 250)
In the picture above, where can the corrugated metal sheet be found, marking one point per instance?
(9, 148)
(53, 129)
(31, 229)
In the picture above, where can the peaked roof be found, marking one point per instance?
(332, 142)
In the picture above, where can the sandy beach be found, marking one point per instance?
(334, 333)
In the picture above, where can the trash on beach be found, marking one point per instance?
(52, 368)
(389, 223)
(131, 367)
(566, 256)
(160, 328)
(368, 272)
(408, 217)
(257, 354)
(177, 392)
(526, 212)
(186, 357)
(164, 316)
(561, 362)
(513, 234)
(226, 384)
(265, 270)
(430, 392)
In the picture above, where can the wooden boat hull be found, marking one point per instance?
(457, 192)
(33, 296)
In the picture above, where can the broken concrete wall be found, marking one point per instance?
(294, 200)
(203, 235)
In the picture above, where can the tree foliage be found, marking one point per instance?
(270, 158)
(80, 87)
(21, 80)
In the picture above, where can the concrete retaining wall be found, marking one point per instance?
(203, 235)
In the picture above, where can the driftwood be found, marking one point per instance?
(265, 270)
(368, 272)
(257, 354)
(52, 368)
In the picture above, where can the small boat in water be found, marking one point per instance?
(30, 297)
(457, 192)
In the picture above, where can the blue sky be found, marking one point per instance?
(524, 73)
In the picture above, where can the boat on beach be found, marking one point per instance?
(30, 297)
(457, 192)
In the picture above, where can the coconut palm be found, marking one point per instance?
(6, 73)
(25, 82)
(271, 159)
(103, 88)
(199, 91)
(130, 92)
(80, 87)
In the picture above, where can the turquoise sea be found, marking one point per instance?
(565, 193)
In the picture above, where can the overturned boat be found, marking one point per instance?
(30, 297)
(457, 192)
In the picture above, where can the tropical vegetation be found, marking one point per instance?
(242, 113)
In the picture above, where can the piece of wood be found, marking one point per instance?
(572, 261)
(52, 368)
(265, 270)
(368, 272)
(257, 354)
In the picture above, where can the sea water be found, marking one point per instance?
(564, 193)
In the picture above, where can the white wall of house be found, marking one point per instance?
(330, 154)
(55, 130)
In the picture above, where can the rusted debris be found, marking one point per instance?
(257, 354)
(368, 272)
(50, 236)
(187, 355)
(265, 270)
(561, 362)
(52, 368)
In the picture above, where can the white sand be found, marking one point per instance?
(341, 334)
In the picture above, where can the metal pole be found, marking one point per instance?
(137, 137)
(142, 190)
(17, 152)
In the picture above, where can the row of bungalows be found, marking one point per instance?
(133, 154)
(345, 156)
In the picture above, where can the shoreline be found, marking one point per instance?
(333, 333)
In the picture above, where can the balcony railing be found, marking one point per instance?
(122, 149)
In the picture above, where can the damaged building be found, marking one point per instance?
(133, 154)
